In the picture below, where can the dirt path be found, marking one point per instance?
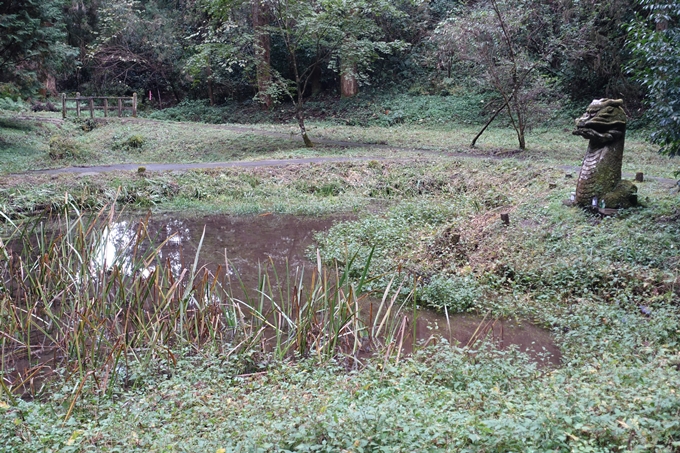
(179, 167)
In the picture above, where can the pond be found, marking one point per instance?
(282, 243)
(88, 294)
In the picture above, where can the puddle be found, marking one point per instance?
(251, 244)
(503, 333)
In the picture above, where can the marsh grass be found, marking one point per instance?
(82, 299)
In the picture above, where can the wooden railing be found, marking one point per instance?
(93, 103)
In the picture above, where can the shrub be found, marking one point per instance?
(457, 294)
(189, 110)
(65, 148)
(86, 124)
(7, 103)
(133, 142)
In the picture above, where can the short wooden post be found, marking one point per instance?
(505, 218)
(106, 107)
(639, 176)
(91, 107)
(120, 107)
(134, 105)
(78, 104)
(63, 105)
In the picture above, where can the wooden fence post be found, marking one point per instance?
(134, 105)
(91, 107)
(78, 104)
(63, 105)
(120, 107)
(106, 107)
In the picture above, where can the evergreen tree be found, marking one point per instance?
(655, 42)
(32, 42)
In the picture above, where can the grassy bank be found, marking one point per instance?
(607, 288)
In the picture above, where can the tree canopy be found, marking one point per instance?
(654, 39)
(32, 41)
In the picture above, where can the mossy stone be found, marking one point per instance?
(623, 196)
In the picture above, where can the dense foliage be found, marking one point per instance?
(32, 44)
(655, 43)
(215, 48)
(269, 51)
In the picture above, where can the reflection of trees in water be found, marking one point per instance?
(123, 239)
(252, 245)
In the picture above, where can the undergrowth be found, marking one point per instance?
(367, 109)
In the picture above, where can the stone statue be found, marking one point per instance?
(599, 183)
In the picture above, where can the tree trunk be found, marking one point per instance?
(211, 94)
(521, 125)
(174, 92)
(303, 130)
(300, 115)
(316, 81)
(50, 84)
(262, 52)
(349, 85)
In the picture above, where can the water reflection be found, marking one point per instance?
(243, 245)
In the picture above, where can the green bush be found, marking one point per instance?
(199, 111)
(369, 109)
(62, 147)
(457, 294)
(7, 103)
(86, 124)
(134, 142)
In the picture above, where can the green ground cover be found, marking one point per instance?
(607, 288)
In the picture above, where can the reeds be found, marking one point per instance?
(79, 294)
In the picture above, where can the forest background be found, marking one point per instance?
(522, 59)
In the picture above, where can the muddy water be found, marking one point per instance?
(250, 243)
(503, 333)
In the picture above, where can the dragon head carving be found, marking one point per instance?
(604, 125)
(603, 115)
